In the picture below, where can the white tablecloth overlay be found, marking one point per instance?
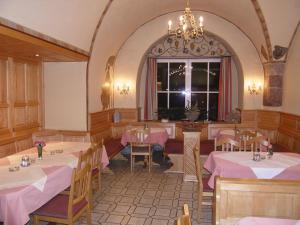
(264, 169)
(34, 174)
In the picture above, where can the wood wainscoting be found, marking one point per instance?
(102, 127)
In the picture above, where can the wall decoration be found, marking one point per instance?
(106, 95)
(279, 51)
(207, 45)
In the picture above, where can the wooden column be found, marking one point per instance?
(191, 139)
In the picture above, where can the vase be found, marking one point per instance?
(192, 115)
(40, 152)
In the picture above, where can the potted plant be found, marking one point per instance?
(192, 112)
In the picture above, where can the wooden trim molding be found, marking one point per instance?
(23, 45)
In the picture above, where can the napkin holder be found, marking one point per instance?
(25, 161)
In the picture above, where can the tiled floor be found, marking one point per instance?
(142, 198)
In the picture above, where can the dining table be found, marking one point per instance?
(284, 166)
(156, 136)
(266, 221)
(25, 189)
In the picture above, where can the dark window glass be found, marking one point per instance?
(177, 100)
(214, 74)
(201, 100)
(213, 106)
(199, 76)
(177, 76)
(162, 100)
(162, 76)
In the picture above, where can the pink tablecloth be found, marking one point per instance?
(17, 202)
(266, 221)
(218, 165)
(157, 136)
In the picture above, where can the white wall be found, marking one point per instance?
(65, 96)
(291, 79)
(72, 21)
(130, 55)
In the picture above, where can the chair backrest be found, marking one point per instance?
(80, 187)
(244, 136)
(198, 167)
(260, 143)
(238, 198)
(96, 156)
(139, 136)
(185, 218)
(84, 159)
(227, 144)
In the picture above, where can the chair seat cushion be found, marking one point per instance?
(58, 207)
(113, 147)
(174, 146)
(206, 188)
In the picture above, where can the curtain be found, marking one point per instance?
(225, 89)
(150, 89)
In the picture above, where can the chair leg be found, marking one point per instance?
(88, 217)
(91, 198)
(149, 162)
(131, 162)
(199, 204)
(36, 220)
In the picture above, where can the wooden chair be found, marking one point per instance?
(185, 218)
(96, 154)
(244, 137)
(257, 144)
(138, 146)
(227, 144)
(84, 158)
(203, 189)
(224, 133)
(66, 209)
(96, 166)
(238, 198)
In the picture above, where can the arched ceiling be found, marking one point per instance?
(75, 21)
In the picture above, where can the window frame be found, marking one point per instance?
(188, 79)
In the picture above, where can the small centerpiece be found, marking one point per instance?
(40, 145)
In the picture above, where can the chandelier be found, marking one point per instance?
(187, 28)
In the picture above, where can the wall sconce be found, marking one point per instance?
(123, 89)
(254, 88)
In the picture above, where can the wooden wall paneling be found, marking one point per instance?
(268, 120)
(296, 145)
(128, 115)
(8, 148)
(4, 102)
(249, 118)
(23, 143)
(285, 140)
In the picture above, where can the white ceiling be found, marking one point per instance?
(74, 21)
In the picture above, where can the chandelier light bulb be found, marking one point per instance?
(170, 24)
(201, 21)
(184, 27)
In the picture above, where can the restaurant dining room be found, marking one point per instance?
(150, 112)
